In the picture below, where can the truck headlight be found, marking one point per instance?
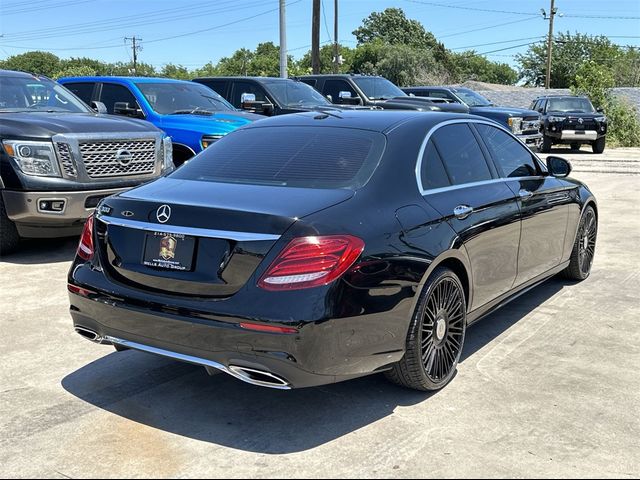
(167, 155)
(33, 158)
(553, 119)
(515, 123)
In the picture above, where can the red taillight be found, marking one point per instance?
(268, 328)
(83, 292)
(85, 247)
(312, 261)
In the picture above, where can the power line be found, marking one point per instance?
(497, 43)
(608, 17)
(324, 17)
(487, 28)
(46, 7)
(167, 15)
(459, 7)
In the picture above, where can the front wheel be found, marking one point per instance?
(584, 247)
(436, 335)
(545, 147)
(598, 145)
(9, 237)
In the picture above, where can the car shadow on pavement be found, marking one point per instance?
(49, 250)
(182, 399)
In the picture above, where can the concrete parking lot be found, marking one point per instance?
(548, 386)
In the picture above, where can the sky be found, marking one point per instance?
(194, 32)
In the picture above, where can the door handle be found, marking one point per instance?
(462, 211)
(524, 194)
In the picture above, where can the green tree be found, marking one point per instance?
(41, 63)
(326, 60)
(569, 52)
(126, 69)
(471, 66)
(75, 71)
(393, 27)
(86, 64)
(207, 70)
(175, 71)
(595, 81)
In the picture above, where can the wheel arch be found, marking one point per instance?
(182, 153)
(456, 261)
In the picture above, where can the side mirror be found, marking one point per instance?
(99, 107)
(123, 108)
(346, 98)
(247, 98)
(558, 167)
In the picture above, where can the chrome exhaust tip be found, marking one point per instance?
(90, 335)
(258, 377)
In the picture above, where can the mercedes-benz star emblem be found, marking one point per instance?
(163, 214)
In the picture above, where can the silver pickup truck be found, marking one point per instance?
(59, 158)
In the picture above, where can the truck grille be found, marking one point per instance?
(119, 159)
(68, 165)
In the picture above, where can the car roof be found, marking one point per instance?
(124, 79)
(17, 73)
(340, 75)
(560, 96)
(238, 77)
(375, 120)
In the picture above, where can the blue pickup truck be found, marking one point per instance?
(193, 115)
(524, 123)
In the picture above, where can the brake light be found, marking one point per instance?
(85, 247)
(311, 262)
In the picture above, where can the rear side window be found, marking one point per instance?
(462, 157)
(84, 91)
(433, 173)
(332, 88)
(247, 87)
(112, 93)
(307, 157)
(511, 158)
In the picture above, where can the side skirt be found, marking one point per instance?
(481, 312)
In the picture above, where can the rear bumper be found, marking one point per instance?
(52, 214)
(320, 353)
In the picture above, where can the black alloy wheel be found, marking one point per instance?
(436, 335)
(584, 248)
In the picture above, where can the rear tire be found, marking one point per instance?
(436, 335)
(9, 238)
(598, 145)
(584, 247)
(575, 146)
(545, 147)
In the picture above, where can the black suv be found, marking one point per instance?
(267, 95)
(374, 91)
(570, 119)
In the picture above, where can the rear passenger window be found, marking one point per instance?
(433, 173)
(463, 160)
(84, 91)
(511, 158)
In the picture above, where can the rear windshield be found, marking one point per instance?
(307, 157)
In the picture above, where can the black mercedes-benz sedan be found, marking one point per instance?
(313, 248)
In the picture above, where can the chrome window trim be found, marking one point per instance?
(425, 142)
(191, 231)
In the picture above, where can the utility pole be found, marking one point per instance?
(336, 46)
(315, 37)
(283, 40)
(135, 47)
(552, 14)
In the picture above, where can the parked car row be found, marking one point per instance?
(60, 157)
